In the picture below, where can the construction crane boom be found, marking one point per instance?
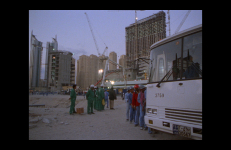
(186, 15)
(92, 34)
(104, 50)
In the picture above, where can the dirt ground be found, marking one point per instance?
(53, 122)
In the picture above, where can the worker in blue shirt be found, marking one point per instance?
(106, 94)
(132, 110)
(127, 103)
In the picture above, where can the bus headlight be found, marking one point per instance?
(149, 110)
(154, 111)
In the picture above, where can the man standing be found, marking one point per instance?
(142, 101)
(112, 96)
(127, 103)
(95, 97)
(136, 104)
(132, 110)
(72, 98)
(90, 98)
(100, 98)
(106, 97)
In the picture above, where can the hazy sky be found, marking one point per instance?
(74, 35)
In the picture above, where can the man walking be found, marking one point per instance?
(72, 98)
(90, 98)
(112, 97)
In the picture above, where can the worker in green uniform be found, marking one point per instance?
(72, 98)
(101, 97)
(90, 98)
(95, 97)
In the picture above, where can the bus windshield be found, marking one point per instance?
(167, 59)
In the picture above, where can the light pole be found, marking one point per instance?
(100, 74)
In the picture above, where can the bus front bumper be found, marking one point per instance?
(172, 127)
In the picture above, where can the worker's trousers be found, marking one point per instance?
(89, 107)
(111, 104)
(106, 101)
(137, 116)
(72, 107)
(127, 109)
(132, 114)
(142, 114)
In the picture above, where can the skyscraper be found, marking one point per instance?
(50, 47)
(87, 70)
(113, 57)
(61, 70)
(35, 61)
(140, 36)
(122, 61)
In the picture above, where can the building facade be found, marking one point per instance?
(50, 47)
(139, 38)
(61, 70)
(113, 57)
(87, 71)
(122, 61)
(35, 62)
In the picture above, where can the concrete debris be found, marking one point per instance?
(34, 120)
(32, 126)
(45, 120)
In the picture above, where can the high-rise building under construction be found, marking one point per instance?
(87, 71)
(35, 61)
(60, 67)
(140, 36)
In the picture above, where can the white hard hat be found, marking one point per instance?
(101, 84)
(95, 87)
(92, 85)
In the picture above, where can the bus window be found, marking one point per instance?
(161, 68)
(166, 59)
(192, 56)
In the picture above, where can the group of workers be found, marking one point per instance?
(135, 99)
(97, 98)
(136, 105)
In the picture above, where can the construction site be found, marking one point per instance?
(133, 66)
(60, 67)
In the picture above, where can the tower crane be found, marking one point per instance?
(183, 20)
(94, 36)
(168, 12)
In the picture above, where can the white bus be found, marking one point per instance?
(174, 89)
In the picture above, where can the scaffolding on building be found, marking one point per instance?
(140, 36)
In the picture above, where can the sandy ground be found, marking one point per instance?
(53, 122)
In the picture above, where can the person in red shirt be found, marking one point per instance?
(136, 104)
